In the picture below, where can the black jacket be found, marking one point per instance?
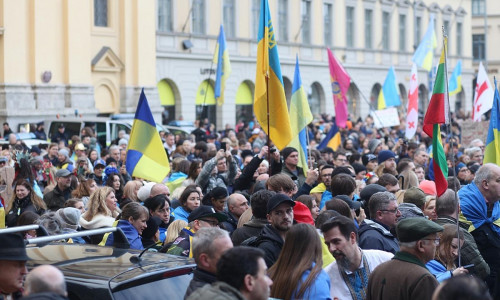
(55, 199)
(249, 229)
(373, 235)
(200, 278)
(246, 180)
(18, 207)
(271, 242)
(230, 224)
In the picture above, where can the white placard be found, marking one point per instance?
(385, 117)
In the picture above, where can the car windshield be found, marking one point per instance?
(174, 287)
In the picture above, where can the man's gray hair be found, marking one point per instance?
(204, 239)
(446, 204)
(114, 147)
(475, 142)
(483, 174)
(380, 201)
(472, 150)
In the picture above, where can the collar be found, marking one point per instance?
(361, 266)
(405, 256)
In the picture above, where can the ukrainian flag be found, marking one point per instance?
(2, 216)
(389, 95)
(492, 150)
(270, 106)
(146, 157)
(300, 117)
(455, 84)
(332, 139)
(221, 59)
(425, 50)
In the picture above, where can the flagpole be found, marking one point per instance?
(268, 126)
(208, 82)
(308, 157)
(448, 129)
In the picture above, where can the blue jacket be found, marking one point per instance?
(130, 232)
(438, 270)
(181, 214)
(373, 235)
(320, 289)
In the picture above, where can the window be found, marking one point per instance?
(283, 20)
(446, 25)
(477, 7)
(418, 23)
(349, 26)
(402, 32)
(228, 16)
(165, 15)
(478, 46)
(101, 13)
(459, 38)
(327, 23)
(198, 16)
(255, 17)
(386, 25)
(306, 21)
(368, 28)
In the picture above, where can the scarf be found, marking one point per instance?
(357, 281)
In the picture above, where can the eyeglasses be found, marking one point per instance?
(326, 175)
(394, 211)
(211, 222)
(436, 241)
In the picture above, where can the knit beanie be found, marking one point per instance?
(429, 187)
(287, 151)
(373, 144)
(64, 152)
(385, 155)
(144, 191)
(69, 217)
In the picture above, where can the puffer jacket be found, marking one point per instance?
(373, 235)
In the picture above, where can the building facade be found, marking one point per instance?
(60, 57)
(368, 37)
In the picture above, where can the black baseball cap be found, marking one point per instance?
(276, 200)
(205, 211)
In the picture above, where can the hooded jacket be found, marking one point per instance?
(217, 291)
(200, 279)
(373, 235)
(271, 243)
(130, 232)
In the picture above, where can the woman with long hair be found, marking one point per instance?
(159, 206)
(101, 209)
(114, 180)
(193, 172)
(443, 264)
(173, 231)
(132, 222)
(93, 156)
(189, 201)
(23, 199)
(84, 190)
(310, 202)
(298, 273)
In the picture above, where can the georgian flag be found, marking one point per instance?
(483, 95)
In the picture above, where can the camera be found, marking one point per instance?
(272, 150)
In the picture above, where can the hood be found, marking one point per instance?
(269, 233)
(371, 225)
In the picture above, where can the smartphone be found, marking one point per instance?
(223, 146)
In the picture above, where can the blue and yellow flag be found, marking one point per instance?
(270, 106)
(455, 84)
(389, 94)
(425, 50)
(300, 117)
(146, 157)
(492, 150)
(2, 216)
(332, 139)
(221, 59)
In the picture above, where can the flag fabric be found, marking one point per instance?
(2, 216)
(340, 81)
(146, 157)
(389, 94)
(437, 114)
(332, 139)
(483, 96)
(270, 101)
(221, 59)
(492, 150)
(300, 117)
(425, 50)
(455, 83)
(412, 109)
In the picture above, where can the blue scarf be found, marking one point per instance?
(474, 207)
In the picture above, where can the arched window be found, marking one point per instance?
(167, 92)
(244, 101)
(205, 102)
(316, 98)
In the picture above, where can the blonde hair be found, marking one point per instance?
(173, 230)
(129, 190)
(97, 204)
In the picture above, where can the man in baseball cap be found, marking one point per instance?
(280, 218)
(13, 259)
(62, 191)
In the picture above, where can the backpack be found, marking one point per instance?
(253, 241)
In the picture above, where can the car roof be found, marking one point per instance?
(86, 261)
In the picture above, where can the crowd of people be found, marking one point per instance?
(362, 221)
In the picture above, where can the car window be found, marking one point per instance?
(72, 128)
(100, 128)
(174, 287)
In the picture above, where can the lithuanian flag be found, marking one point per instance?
(437, 113)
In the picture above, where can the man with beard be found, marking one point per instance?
(352, 266)
(280, 218)
(386, 163)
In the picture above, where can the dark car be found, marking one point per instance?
(95, 272)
